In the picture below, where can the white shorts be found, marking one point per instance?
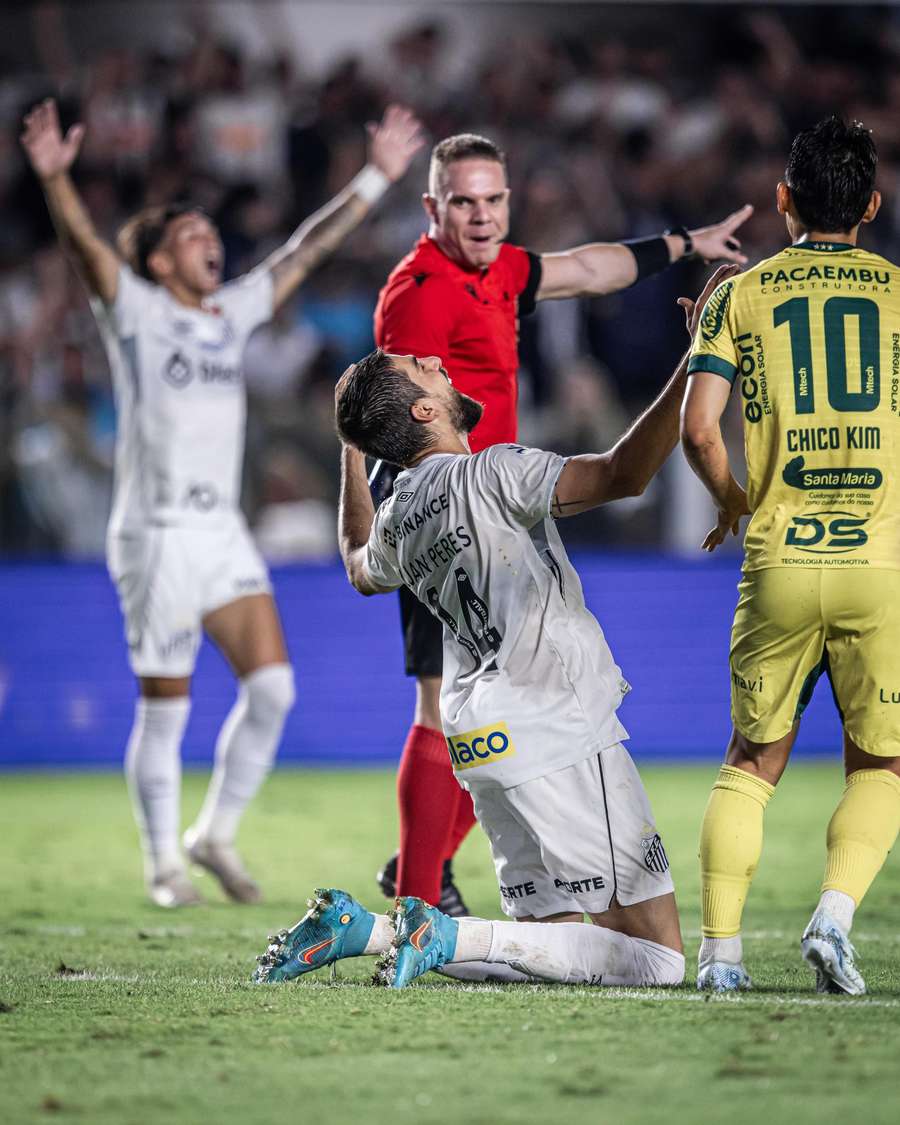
(169, 578)
(573, 839)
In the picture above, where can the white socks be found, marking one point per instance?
(153, 770)
(245, 750)
(728, 949)
(380, 938)
(570, 952)
(840, 906)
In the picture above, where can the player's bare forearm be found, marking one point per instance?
(314, 240)
(625, 470)
(356, 513)
(393, 143)
(51, 154)
(701, 435)
(706, 454)
(95, 258)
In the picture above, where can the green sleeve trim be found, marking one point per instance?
(713, 364)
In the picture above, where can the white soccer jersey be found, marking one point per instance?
(180, 399)
(529, 683)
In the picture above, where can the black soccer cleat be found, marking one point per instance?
(451, 903)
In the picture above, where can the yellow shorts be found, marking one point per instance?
(791, 625)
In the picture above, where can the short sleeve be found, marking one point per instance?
(249, 300)
(417, 317)
(381, 556)
(713, 348)
(522, 480)
(526, 271)
(130, 303)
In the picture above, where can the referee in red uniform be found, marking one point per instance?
(458, 295)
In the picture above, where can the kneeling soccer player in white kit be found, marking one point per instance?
(529, 693)
(178, 548)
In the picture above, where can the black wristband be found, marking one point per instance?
(651, 255)
(685, 235)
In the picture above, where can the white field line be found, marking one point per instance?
(659, 995)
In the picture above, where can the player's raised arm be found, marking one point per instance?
(356, 514)
(591, 479)
(605, 267)
(51, 155)
(393, 142)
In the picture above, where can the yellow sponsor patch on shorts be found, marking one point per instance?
(479, 747)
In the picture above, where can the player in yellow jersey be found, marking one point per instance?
(810, 342)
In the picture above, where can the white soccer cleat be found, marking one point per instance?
(223, 861)
(722, 976)
(172, 889)
(827, 950)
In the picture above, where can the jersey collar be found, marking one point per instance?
(824, 247)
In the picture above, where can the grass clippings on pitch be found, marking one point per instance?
(113, 1012)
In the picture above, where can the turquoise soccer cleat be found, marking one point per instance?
(722, 976)
(827, 950)
(425, 939)
(335, 926)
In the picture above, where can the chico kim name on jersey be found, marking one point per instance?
(478, 747)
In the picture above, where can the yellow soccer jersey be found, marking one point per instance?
(810, 339)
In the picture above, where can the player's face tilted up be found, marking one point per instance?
(809, 336)
(529, 694)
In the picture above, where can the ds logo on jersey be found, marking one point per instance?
(478, 747)
(827, 533)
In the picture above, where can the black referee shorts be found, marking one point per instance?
(423, 637)
(423, 634)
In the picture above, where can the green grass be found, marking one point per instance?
(160, 1023)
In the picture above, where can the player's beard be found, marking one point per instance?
(465, 412)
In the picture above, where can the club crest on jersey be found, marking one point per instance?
(655, 858)
(478, 747)
(714, 313)
(178, 370)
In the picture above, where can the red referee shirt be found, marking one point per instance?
(431, 305)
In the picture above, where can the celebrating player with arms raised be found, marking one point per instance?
(811, 340)
(530, 689)
(178, 548)
(458, 295)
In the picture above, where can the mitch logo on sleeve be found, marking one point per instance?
(478, 747)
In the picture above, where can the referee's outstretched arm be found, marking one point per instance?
(591, 479)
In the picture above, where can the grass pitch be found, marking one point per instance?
(112, 1011)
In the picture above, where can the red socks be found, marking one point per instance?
(435, 813)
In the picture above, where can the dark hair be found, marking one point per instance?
(463, 146)
(372, 404)
(831, 174)
(143, 233)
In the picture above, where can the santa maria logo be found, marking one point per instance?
(479, 747)
(178, 370)
(715, 311)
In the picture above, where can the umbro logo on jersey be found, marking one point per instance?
(178, 370)
(404, 496)
(655, 858)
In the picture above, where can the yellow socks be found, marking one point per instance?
(730, 847)
(862, 831)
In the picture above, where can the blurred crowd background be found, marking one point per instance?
(618, 120)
